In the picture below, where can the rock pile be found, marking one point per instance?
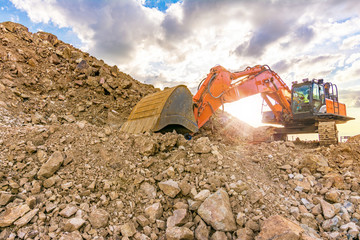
(66, 172)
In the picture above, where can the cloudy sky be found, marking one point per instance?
(170, 42)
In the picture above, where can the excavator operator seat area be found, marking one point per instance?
(301, 98)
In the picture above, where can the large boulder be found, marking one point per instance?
(216, 211)
(279, 228)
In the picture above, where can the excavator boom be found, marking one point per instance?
(222, 86)
(175, 108)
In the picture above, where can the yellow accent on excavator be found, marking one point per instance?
(171, 107)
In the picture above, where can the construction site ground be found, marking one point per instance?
(67, 172)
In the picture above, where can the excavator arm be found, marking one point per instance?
(221, 86)
(175, 108)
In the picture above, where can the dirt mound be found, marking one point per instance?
(66, 172)
(44, 80)
(354, 139)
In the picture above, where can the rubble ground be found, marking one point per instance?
(67, 172)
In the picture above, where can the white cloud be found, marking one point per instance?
(296, 38)
(351, 42)
(349, 73)
(353, 57)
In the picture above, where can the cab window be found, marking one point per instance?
(301, 98)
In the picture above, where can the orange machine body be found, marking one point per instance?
(335, 107)
(221, 86)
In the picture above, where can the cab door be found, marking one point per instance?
(318, 97)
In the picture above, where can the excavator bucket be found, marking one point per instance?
(168, 109)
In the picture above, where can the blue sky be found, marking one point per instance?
(8, 12)
(170, 42)
(161, 5)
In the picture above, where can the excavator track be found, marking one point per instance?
(328, 133)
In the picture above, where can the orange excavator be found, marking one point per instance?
(310, 106)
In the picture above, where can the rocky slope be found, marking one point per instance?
(66, 172)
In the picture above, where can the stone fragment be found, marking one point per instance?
(160, 224)
(99, 218)
(336, 179)
(185, 187)
(253, 225)
(239, 186)
(5, 198)
(314, 162)
(149, 190)
(36, 118)
(68, 211)
(216, 211)
(194, 205)
(309, 220)
(330, 224)
(148, 148)
(328, 209)
(218, 236)
(70, 118)
(240, 219)
(245, 234)
(279, 228)
(11, 214)
(202, 195)
(333, 196)
(142, 220)
(180, 205)
(170, 188)
(49, 182)
(74, 224)
(179, 233)
(31, 201)
(154, 211)
(202, 145)
(51, 166)
(71, 236)
(49, 206)
(26, 218)
(140, 236)
(128, 229)
(179, 218)
(202, 231)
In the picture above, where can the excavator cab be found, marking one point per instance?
(307, 98)
(315, 99)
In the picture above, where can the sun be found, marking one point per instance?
(247, 110)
